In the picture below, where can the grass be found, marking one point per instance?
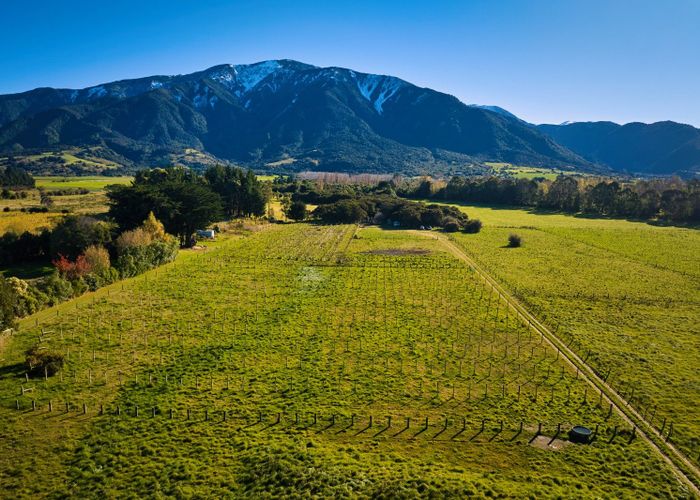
(301, 333)
(280, 163)
(623, 294)
(94, 202)
(81, 157)
(92, 183)
(524, 172)
(19, 222)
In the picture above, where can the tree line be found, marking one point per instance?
(345, 203)
(671, 199)
(185, 201)
(16, 177)
(395, 212)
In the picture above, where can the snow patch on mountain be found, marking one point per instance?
(96, 92)
(388, 88)
(249, 75)
(377, 89)
(367, 86)
(225, 75)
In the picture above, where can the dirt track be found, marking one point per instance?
(684, 469)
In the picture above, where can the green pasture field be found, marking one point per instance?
(92, 182)
(94, 202)
(292, 358)
(524, 172)
(70, 157)
(623, 294)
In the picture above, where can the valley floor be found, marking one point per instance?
(328, 361)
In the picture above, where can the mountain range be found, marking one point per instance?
(659, 148)
(284, 113)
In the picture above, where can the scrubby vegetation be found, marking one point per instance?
(85, 258)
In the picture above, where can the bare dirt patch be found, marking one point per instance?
(542, 442)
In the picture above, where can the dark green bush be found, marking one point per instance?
(514, 241)
(135, 260)
(451, 225)
(472, 226)
(55, 289)
(296, 210)
(342, 212)
(75, 233)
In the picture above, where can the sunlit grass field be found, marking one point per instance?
(19, 222)
(624, 294)
(524, 172)
(92, 183)
(303, 360)
(94, 202)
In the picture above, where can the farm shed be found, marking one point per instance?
(206, 233)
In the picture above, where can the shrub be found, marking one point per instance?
(8, 298)
(75, 233)
(432, 217)
(451, 225)
(144, 248)
(296, 210)
(97, 259)
(138, 237)
(408, 216)
(71, 270)
(343, 212)
(154, 227)
(93, 281)
(27, 300)
(40, 361)
(472, 226)
(514, 241)
(55, 289)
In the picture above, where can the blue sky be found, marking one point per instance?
(546, 61)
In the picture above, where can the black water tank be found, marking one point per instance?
(580, 434)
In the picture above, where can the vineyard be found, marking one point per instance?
(331, 360)
(624, 295)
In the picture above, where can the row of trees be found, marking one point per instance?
(671, 199)
(381, 209)
(185, 201)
